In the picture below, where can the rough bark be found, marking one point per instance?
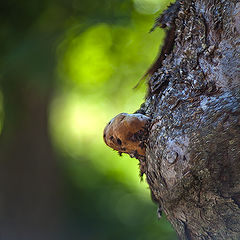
(193, 150)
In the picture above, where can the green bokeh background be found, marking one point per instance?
(86, 56)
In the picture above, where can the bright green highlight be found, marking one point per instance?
(87, 60)
(99, 66)
(149, 6)
(103, 64)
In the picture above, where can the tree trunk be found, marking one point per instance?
(29, 186)
(193, 149)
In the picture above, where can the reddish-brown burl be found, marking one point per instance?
(127, 133)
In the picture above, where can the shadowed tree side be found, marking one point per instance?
(30, 196)
(30, 193)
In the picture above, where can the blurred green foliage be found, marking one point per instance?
(89, 55)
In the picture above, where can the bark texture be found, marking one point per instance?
(193, 150)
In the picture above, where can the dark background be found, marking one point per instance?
(67, 68)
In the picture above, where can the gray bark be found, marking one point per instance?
(193, 150)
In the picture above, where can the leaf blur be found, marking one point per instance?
(86, 57)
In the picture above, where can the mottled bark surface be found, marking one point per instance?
(193, 151)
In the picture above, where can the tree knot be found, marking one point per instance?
(127, 133)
